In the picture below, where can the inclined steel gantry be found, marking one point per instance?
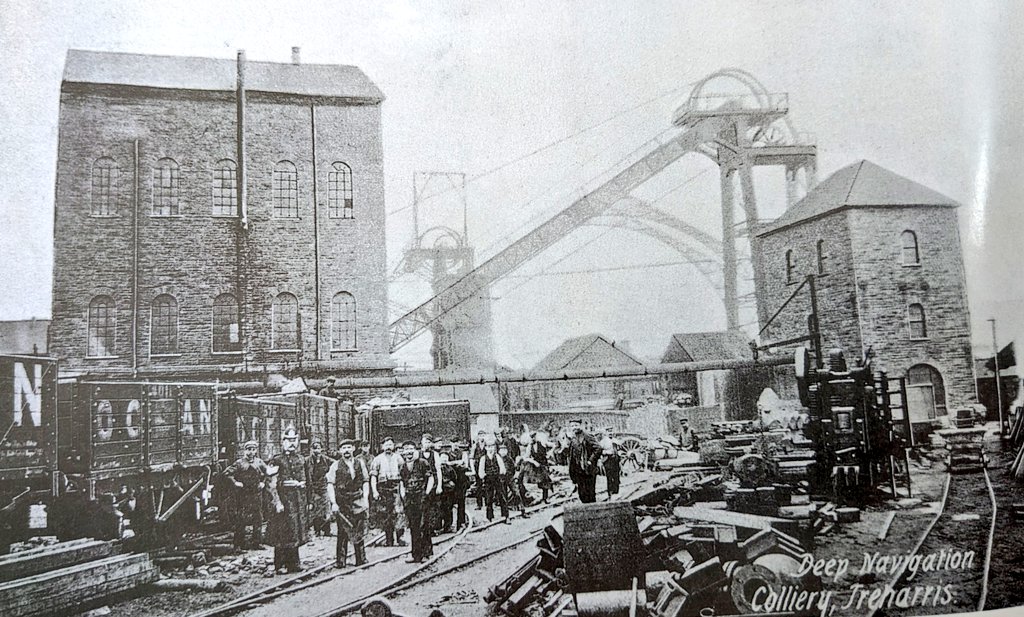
(736, 131)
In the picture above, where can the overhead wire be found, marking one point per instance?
(550, 145)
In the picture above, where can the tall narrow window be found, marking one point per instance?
(286, 190)
(165, 188)
(163, 336)
(911, 256)
(790, 267)
(101, 327)
(104, 187)
(225, 324)
(284, 331)
(225, 189)
(915, 316)
(339, 191)
(822, 257)
(343, 321)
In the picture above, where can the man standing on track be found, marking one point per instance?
(491, 471)
(477, 452)
(317, 464)
(248, 475)
(417, 482)
(385, 482)
(288, 528)
(584, 453)
(432, 504)
(348, 490)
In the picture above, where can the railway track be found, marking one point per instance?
(458, 550)
(947, 571)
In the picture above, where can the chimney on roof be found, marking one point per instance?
(295, 55)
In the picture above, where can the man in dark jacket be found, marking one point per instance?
(584, 453)
(317, 464)
(288, 528)
(247, 477)
(417, 482)
(348, 491)
(491, 471)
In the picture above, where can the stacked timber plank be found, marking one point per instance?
(65, 576)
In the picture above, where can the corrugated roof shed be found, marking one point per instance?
(215, 74)
(702, 346)
(24, 336)
(589, 351)
(862, 184)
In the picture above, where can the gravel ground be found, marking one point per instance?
(1006, 577)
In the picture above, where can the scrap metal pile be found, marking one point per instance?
(676, 551)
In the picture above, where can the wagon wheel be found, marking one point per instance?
(633, 454)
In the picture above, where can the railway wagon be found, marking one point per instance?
(133, 453)
(264, 418)
(28, 440)
(448, 420)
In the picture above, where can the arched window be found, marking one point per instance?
(225, 324)
(284, 330)
(102, 322)
(339, 191)
(165, 188)
(104, 187)
(822, 257)
(163, 330)
(911, 255)
(926, 393)
(915, 317)
(790, 267)
(225, 188)
(286, 190)
(343, 321)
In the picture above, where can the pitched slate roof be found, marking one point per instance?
(862, 184)
(216, 74)
(704, 346)
(582, 346)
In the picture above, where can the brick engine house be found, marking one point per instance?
(888, 266)
(217, 217)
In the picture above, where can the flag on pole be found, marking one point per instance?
(1006, 357)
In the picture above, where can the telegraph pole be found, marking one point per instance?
(999, 386)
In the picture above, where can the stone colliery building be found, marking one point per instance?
(216, 216)
(888, 266)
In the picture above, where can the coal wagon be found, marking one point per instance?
(264, 418)
(444, 420)
(28, 440)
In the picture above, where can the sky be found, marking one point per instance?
(931, 90)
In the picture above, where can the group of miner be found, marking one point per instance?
(421, 487)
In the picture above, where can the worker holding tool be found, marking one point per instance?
(348, 491)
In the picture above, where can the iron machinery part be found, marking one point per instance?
(376, 607)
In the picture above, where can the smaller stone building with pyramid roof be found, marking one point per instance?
(888, 265)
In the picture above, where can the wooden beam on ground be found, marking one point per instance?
(62, 591)
(53, 557)
(886, 525)
(727, 517)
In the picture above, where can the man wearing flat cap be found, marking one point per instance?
(418, 481)
(288, 528)
(248, 478)
(348, 490)
(385, 484)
